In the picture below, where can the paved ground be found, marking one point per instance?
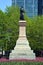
(38, 59)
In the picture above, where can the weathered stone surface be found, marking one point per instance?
(22, 49)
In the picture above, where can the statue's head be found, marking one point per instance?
(22, 8)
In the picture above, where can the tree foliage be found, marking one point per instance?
(9, 29)
(35, 32)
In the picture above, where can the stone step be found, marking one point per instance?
(22, 54)
(31, 56)
(22, 41)
(20, 51)
(25, 47)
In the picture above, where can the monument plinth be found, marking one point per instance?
(22, 49)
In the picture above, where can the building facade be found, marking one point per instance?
(31, 7)
(40, 7)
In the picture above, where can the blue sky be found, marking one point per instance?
(4, 3)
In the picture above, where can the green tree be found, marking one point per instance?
(12, 14)
(35, 32)
(9, 29)
(2, 28)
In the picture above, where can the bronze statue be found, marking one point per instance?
(21, 13)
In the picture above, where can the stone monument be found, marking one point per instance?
(22, 49)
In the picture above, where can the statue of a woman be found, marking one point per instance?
(21, 13)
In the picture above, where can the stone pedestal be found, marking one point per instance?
(22, 49)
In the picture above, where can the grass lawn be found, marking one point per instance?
(21, 63)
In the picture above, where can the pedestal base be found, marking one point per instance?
(22, 50)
